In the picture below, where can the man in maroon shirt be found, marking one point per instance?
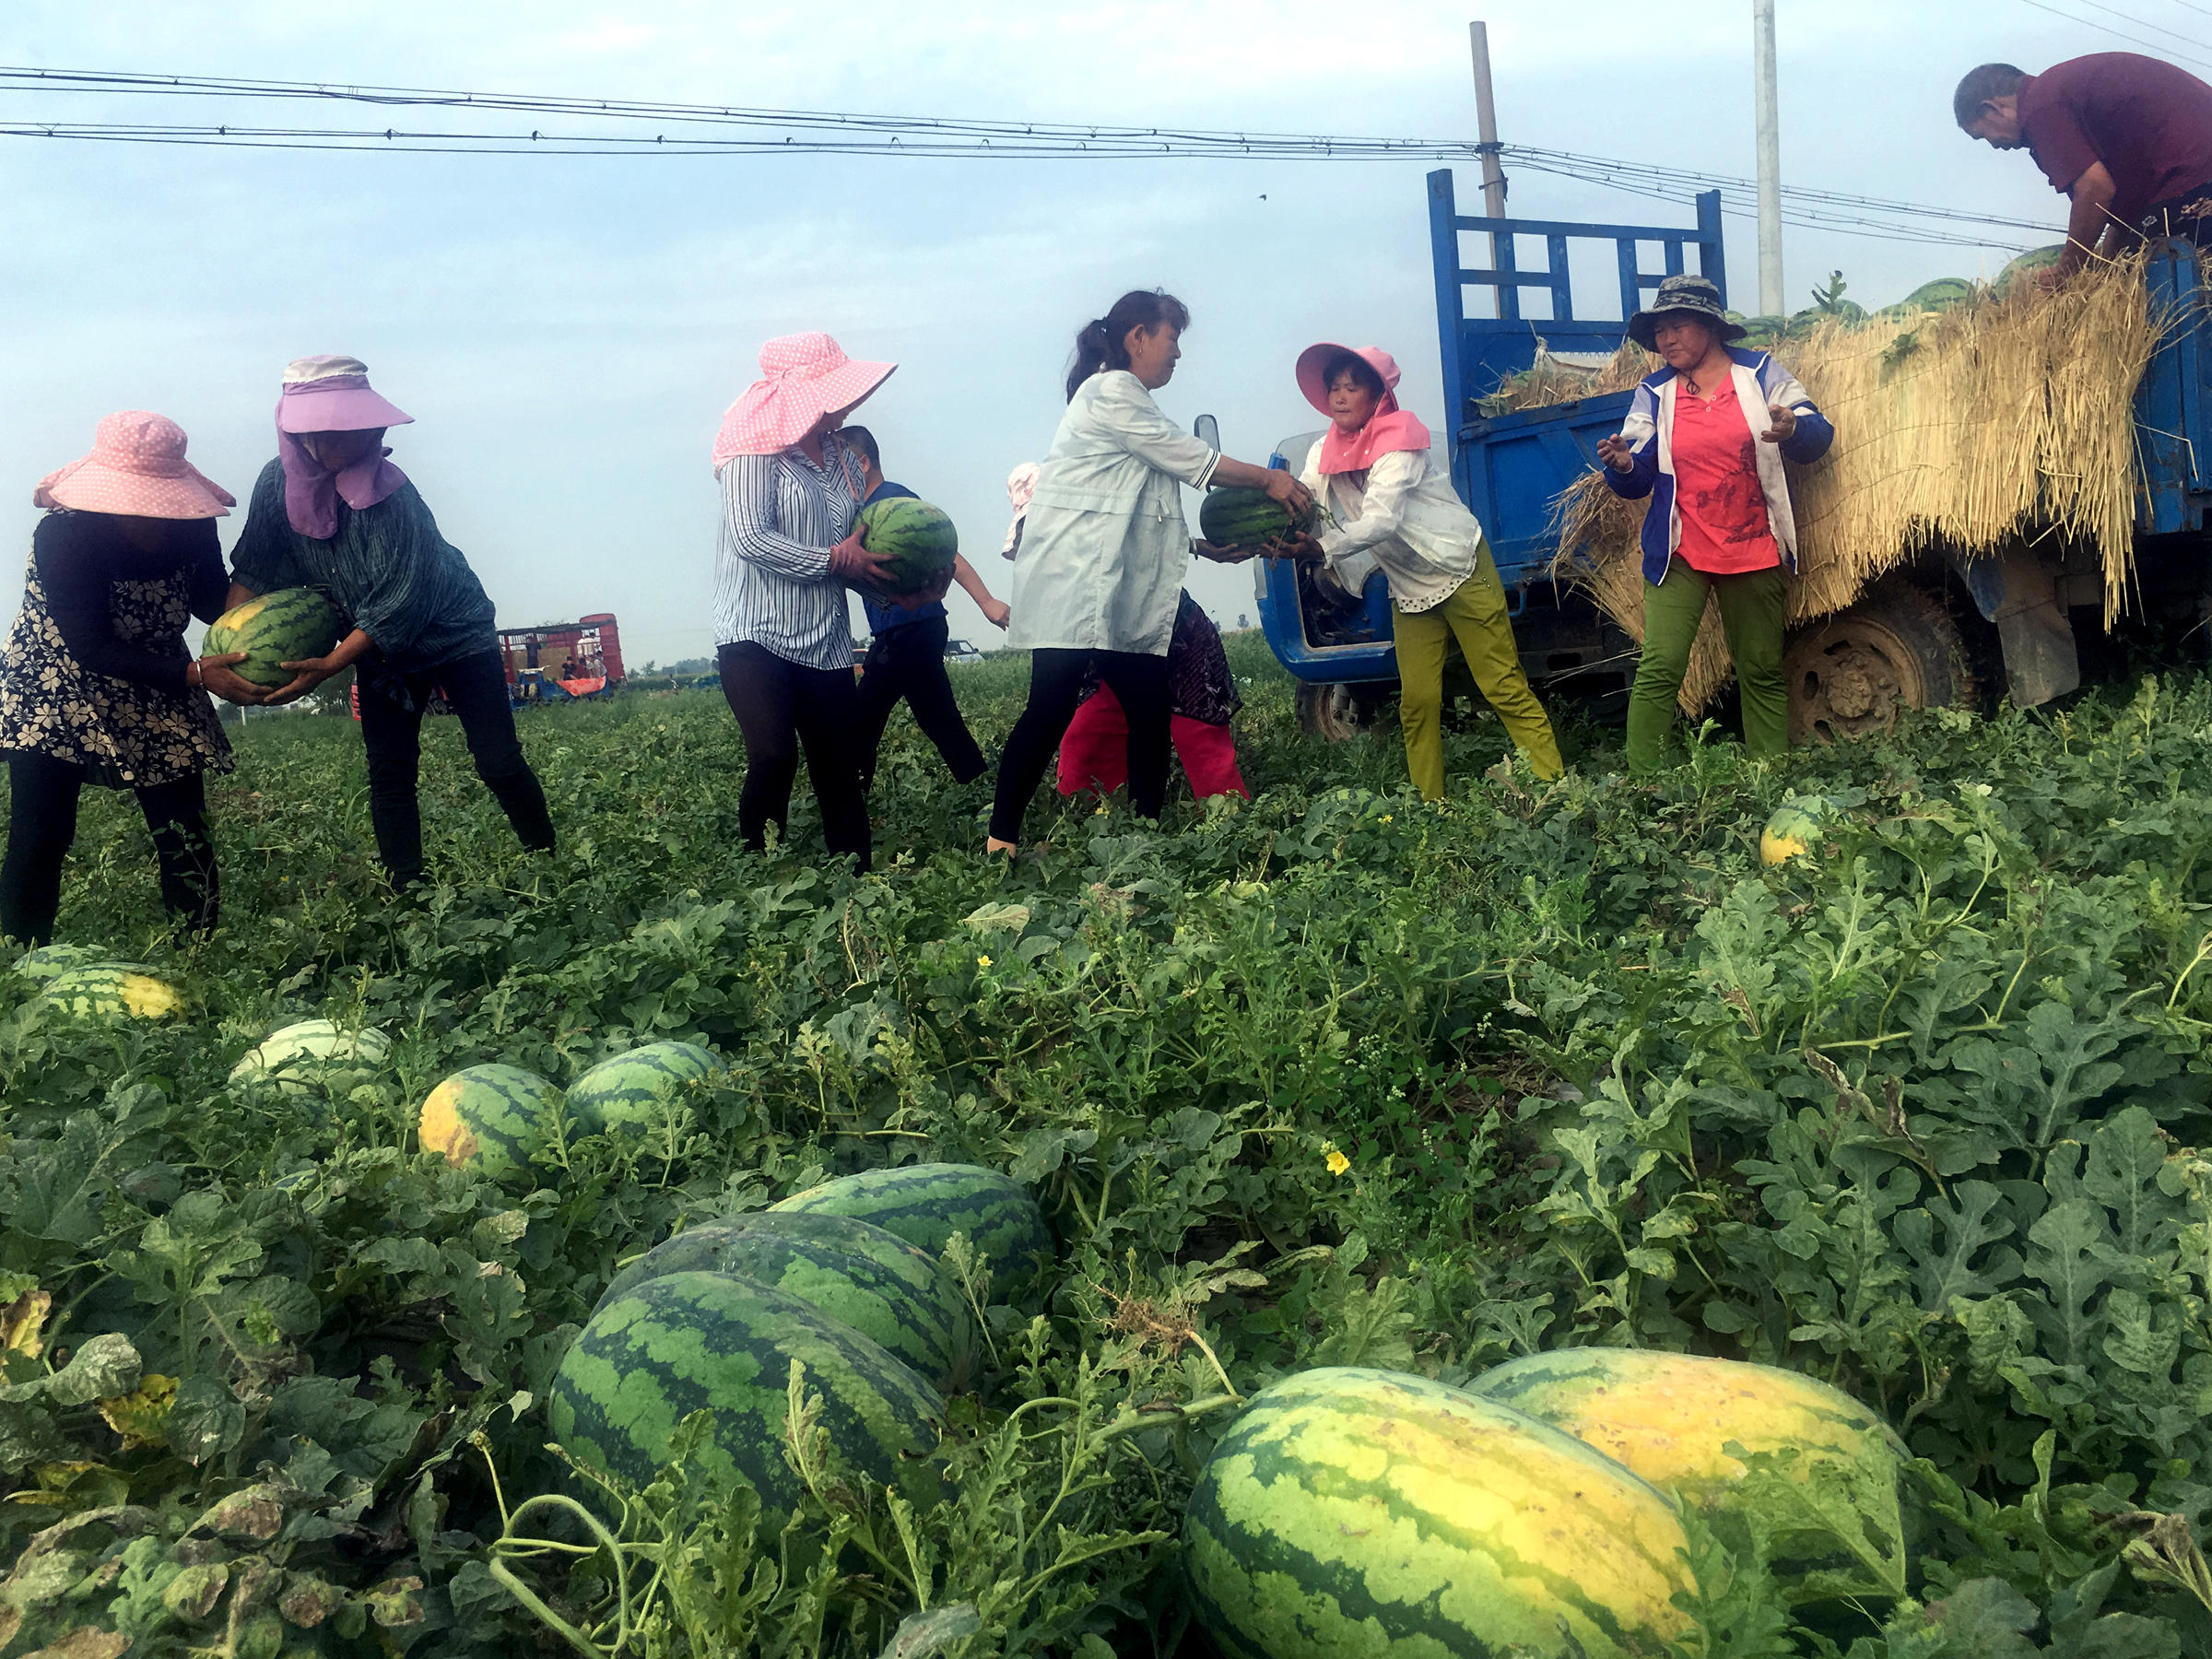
(2127, 137)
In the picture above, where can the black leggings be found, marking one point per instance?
(909, 661)
(41, 823)
(1056, 678)
(476, 688)
(781, 705)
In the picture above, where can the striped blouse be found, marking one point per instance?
(781, 515)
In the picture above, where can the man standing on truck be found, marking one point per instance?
(2128, 138)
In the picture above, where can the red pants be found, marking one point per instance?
(1094, 755)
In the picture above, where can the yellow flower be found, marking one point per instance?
(983, 961)
(1338, 1163)
(1386, 817)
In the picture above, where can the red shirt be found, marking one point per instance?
(1723, 510)
(2149, 123)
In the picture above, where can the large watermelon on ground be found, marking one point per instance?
(486, 1118)
(917, 542)
(626, 1091)
(311, 1056)
(288, 626)
(1792, 829)
(855, 1272)
(927, 1204)
(51, 962)
(1369, 1515)
(119, 990)
(711, 1341)
(1669, 1418)
(1241, 517)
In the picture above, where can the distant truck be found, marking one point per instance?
(559, 661)
(1904, 642)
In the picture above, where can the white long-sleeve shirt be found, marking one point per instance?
(1403, 511)
(1104, 548)
(781, 515)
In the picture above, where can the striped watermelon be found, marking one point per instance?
(927, 1204)
(626, 1091)
(1793, 830)
(51, 962)
(118, 991)
(1668, 1417)
(858, 1275)
(288, 626)
(314, 1055)
(1239, 517)
(918, 541)
(1354, 1512)
(486, 1118)
(695, 1341)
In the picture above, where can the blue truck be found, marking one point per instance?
(1915, 640)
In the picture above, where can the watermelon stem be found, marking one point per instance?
(510, 1544)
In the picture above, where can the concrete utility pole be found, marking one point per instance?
(1772, 301)
(1485, 126)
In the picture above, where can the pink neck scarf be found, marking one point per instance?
(312, 491)
(1388, 429)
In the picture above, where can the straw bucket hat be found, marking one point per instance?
(138, 468)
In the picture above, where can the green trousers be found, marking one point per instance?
(1752, 613)
(1475, 613)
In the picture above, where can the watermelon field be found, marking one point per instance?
(1357, 1183)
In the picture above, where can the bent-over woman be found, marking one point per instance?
(792, 489)
(1395, 509)
(1103, 551)
(1202, 701)
(96, 684)
(1706, 437)
(333, 512)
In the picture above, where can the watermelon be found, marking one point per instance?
(486, 1118)
(1668, 1417)
(859, 1275)
(927, 1204)
(626, 1091)
(917, 540)
(1939, 295)
(314, 1055)
(2027, 265)
(1244, 518)
(711, 1341)
(117, 990)
(1354, 1513)
(1793, 830)
(51, 962)
(288, 626)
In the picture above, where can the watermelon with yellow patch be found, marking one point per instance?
(1351, 1513)
(1671, 1418)
(486, 1118)
(119, 990)
(288, 626)
(1793, 829)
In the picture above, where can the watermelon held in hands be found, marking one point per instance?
(288, 626)
(117, 990)
(916, 541)
(1245, 518)
(626, 1091)
(858, 1275)
(1671, 1418)
(313, 1055)
(711, 1341)
(1351, 1513)
(927, 1204)
(486, 1118)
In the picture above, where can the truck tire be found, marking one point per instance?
(1335, 713)
(1849, 675)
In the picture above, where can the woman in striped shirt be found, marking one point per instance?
(791, 497)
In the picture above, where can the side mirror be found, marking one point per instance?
(1207, 431)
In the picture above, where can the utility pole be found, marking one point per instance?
(1485, 126)
(1772, 301)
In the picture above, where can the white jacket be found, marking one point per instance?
(1406, 518)
(1104, 548)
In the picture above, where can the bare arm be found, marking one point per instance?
(2090, 225)
(996, 611)
(313, 671)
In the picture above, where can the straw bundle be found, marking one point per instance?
(1963, 428)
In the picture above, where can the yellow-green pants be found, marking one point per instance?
(1475, 613)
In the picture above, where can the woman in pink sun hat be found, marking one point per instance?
(791, 490)
(333, 512)
(96, 684)
(1396, 512)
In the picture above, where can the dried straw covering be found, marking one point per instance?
(1964, 428)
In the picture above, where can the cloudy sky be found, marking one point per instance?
(567, 331)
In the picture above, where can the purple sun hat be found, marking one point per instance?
(332, 395)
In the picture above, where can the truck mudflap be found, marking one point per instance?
(2018, 589)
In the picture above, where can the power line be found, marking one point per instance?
(2116, 33)
(2146, 23)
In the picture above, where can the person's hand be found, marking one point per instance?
(217, 673)
(1784, 424)
(1299, 545)
(1221, 552)
(2049, 277)
(310, 672)
(1617, 453)
(1285, 487)
(851, 563)
(996, 612)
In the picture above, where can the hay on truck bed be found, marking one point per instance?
(2010, 415)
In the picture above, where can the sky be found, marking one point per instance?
(567, 331)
